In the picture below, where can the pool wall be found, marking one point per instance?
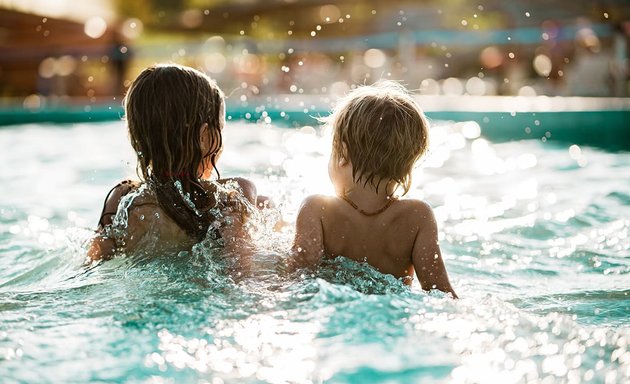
(602, 122)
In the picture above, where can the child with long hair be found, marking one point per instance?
(379, 132)
(175, 117)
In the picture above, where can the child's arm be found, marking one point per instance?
(426, 257)
(250, 192)
(308, 244)
(102, 246)
(247, 187)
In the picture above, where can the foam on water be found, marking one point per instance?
(535, 237)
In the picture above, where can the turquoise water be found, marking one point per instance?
(535, 236)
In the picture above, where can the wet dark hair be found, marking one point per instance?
(166, 108)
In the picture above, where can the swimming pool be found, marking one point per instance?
(535, 236)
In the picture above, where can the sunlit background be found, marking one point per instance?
(54, 49)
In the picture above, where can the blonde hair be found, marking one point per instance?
(382, 131)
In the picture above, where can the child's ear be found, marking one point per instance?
(343, 156)
(204, 138)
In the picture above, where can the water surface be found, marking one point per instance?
(535, 236)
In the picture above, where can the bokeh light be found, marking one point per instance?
(191, 18)
(475, 86)
(65, 65)
(452, 86)
(132, 28)
(429, 87)
(95, 27)
(47, 67)
(374, 58)
(329, 13)
(491, 57)
(215, 62)
(526, 90)
(32, 102)
(542, 65)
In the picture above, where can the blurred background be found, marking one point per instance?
(64, 52)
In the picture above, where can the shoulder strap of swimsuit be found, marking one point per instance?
(129, 184)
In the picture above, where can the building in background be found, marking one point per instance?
(256, 47)
(57, 60)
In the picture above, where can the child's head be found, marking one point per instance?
(175, 115)
(382, 131)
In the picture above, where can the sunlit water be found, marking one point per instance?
(535, 237)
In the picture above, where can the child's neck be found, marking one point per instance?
(367, 196)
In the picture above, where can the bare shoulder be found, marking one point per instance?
(314, 203)
(416, 210)
(313, 208)
(247, 187)
(308, 245)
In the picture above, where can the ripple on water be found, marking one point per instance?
(608, 307)
(620, 197)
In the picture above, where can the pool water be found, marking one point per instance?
(535, 236)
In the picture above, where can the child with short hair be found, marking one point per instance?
(175, 117)
(379, 132)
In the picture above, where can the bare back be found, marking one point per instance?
(398, 241)
(384, 241)
(132, 220)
